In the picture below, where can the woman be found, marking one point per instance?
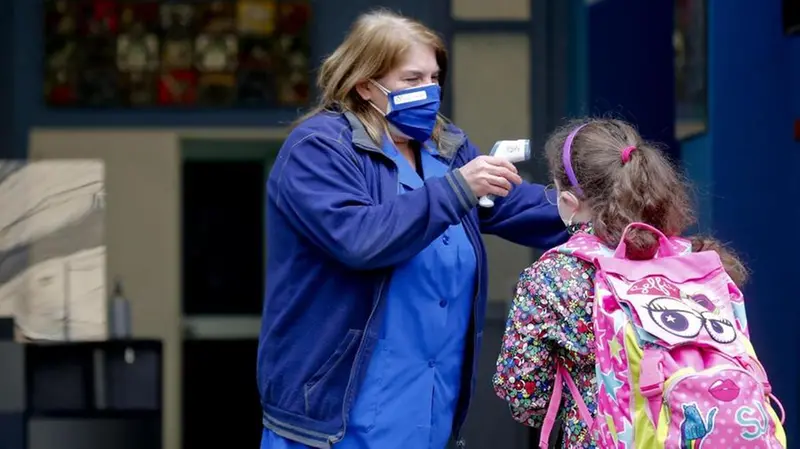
(376, 270)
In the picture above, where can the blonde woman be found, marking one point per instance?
(376, 271)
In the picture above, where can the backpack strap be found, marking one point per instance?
(651, 382)
(562, 375)
(780, 407)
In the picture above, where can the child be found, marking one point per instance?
(606, 177)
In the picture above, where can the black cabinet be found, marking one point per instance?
(83, 395)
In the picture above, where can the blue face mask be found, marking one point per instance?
(412, 112)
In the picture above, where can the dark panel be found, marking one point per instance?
(12, 430)
(221, 373)
(223, 237)
(12, 382)
(108, 433)
(791, 17)
(7, 119)
(631, 65)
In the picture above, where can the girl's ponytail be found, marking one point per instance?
(646, 188)
(624, 179)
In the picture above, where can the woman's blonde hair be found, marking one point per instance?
(376, 44)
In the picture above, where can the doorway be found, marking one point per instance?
(223, 223)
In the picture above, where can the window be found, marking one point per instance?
(691, 90)
(189, 54)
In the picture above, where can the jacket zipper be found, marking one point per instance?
(345, 415)
(460, 443)
(339, 436)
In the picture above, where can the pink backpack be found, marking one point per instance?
(675, 367)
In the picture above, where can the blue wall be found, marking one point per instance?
(755, 168)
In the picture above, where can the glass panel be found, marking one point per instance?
(691, 89)
(477, 91)
(236, 200)
(493, 104)
(166, 53)
(223, 276)
(494, 10)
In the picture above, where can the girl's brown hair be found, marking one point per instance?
(647, 188)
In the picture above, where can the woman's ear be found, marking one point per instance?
(364, 90)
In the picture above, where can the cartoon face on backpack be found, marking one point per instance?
(687, 320)
(675, 315)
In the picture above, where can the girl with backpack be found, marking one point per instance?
(643, 331)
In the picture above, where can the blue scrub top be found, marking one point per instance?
(409, 394)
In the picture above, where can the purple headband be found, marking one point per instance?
(566, 159)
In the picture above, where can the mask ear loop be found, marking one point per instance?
(385, 92)
(571, 217)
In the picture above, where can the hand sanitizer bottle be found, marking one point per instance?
(119, 314)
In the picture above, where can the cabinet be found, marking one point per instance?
(81, 395)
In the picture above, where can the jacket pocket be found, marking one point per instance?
(324, 391)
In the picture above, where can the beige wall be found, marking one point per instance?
(142, 234)
(491, 92)
(493, 10)
(491, 101)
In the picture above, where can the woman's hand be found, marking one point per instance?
(489, 175)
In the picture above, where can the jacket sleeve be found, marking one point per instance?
(321, 189)
(541, 326)
(524, 216)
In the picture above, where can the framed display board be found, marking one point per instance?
(166, 54)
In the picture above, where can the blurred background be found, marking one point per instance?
(137, 136)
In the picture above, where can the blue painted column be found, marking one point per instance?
(755, 168)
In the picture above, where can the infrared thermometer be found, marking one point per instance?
(513, 151)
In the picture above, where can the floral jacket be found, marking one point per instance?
(550, 319)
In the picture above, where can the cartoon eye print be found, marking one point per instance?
(675, 317)
(681, 320)
(720, 329)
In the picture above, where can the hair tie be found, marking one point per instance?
(566, 158)
(626, 154)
